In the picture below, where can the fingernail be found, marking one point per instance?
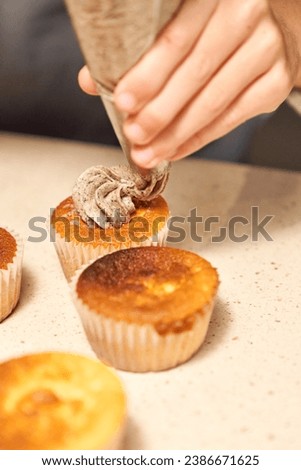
(143, 157)
(134, 132)
(125, 101)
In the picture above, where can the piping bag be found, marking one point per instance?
(113, 35)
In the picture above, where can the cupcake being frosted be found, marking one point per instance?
(110, 209)
(11, 253)
(59, 401)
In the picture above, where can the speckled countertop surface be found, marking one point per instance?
(242, 390)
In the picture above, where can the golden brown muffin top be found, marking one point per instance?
(161, 286)
(148, 219)
(58, 401)
(8, 248)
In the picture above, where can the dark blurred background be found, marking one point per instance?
(39, 93)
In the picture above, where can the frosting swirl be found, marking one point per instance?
(107, 196)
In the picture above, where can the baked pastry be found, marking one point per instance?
(78, 242)
(60, 401)
(11, 253)
(110, 209)
(146, 308)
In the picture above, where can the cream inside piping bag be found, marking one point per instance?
(113, 35)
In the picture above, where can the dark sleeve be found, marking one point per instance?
(39, 63)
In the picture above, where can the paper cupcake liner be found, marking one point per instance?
(139, 348)
(10, 280)
(74, 255)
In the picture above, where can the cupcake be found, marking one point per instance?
(60, 401)
(11, 253)
(107, 213)
(146, 308)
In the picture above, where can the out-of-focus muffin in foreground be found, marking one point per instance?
(61, 401)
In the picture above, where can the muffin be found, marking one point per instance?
(78, 243)
(146, 308)
(11, 253)
(60, 401)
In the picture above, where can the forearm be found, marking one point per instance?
(288, 15)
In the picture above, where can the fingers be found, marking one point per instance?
(86, 82)
(215, 65)
(261, 97)
(213, 48)
(237, 74)
(146, 79)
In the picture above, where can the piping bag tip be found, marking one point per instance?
(117, 119)
(147, 173)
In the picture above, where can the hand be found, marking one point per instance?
(217, 64)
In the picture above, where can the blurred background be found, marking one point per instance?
(39, 93)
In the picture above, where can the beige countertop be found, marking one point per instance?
(242, 390)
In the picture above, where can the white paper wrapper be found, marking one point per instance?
(10, 280)
(74, 255)
(135, 347)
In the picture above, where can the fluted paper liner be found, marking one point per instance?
(10, 280)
